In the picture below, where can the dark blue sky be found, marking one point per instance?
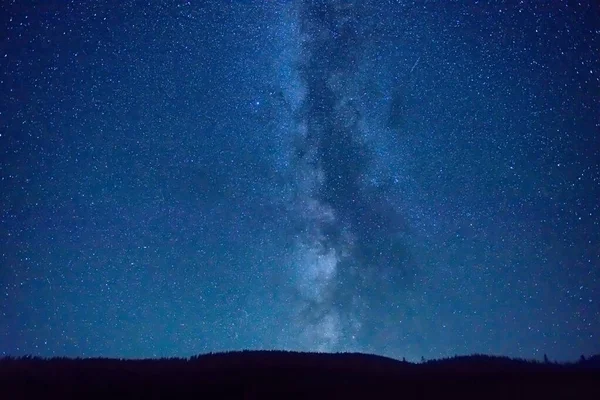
(403, 178)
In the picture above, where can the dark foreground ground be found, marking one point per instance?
(274, 374)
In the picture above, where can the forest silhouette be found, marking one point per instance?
(273, 374)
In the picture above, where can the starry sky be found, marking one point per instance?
(405, 178)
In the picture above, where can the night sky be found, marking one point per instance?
(405, 178)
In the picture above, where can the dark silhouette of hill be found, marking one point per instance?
(273, 374)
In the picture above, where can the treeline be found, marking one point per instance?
(277, 355)
(264, 374)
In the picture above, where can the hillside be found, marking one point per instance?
(271, 374)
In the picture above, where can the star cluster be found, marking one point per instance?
(404, 178)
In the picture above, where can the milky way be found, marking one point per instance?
(346, 229)
(412, 179)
